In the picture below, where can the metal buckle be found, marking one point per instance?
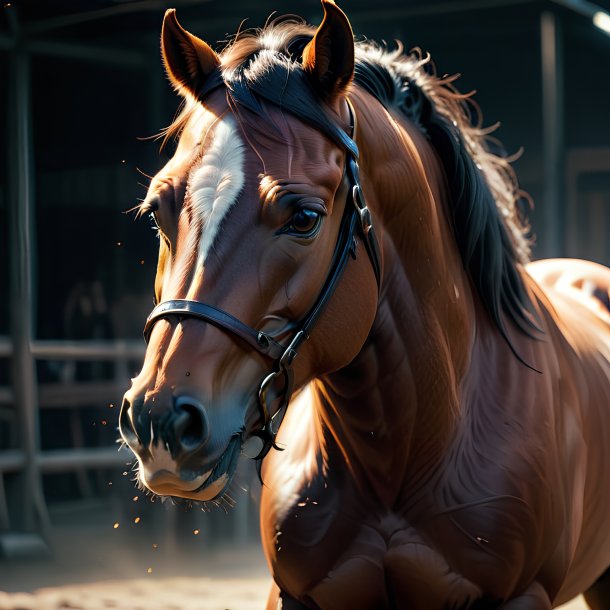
(291, 351)
(262, 394)
(268, 432)
(366, 221)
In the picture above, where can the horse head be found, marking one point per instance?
(261, 283)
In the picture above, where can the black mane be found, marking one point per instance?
(487, 251)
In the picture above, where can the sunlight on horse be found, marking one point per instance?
(335, 223)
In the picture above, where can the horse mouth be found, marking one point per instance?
(205, 486)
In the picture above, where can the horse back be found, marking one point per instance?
(574, 296)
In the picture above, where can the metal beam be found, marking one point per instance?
(55, 23)
(551, 42)
(106, 55)
(378, 13)
(437, 8)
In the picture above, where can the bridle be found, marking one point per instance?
(356, 217)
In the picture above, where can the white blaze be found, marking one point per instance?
(216, 182)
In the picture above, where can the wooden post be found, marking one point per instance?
(32, 515)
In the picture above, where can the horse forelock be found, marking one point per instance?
(278, 38)
(261, 66)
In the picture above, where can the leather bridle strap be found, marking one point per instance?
(364, 216)
(346, 247)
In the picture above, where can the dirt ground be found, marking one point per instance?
(166, 565)
(162, 594)
(247, 590)
(157, 594)
(231, 580)
(146, 594)
(100, 568)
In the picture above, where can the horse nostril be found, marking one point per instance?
(190, 424)
(126, 427)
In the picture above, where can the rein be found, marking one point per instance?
(356, 217)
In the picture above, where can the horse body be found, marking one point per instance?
(448, 447)
(482, 481)
(483, 518)
(579, 353)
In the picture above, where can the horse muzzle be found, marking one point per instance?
(176, 452)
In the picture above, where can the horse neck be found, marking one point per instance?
(394, 408)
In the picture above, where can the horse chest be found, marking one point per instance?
(329, 560)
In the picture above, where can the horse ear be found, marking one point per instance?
(329, 57)
(188, 60)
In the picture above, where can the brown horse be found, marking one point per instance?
(334, 221)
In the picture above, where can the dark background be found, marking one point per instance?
(98, 89)
(97, 93)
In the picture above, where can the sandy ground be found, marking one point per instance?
(170, 565)
(232, 580)
(146, 594)
(159, 594)
(98, 567)
(162, 594)
(154, 593)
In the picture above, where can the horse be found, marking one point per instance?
(344, 286)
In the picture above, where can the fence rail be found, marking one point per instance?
(80, 393)
(69, 394)
(88, 350)
(79, 350)
(64, 460)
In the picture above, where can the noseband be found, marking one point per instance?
(356, 218)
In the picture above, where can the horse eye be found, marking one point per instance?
(305, 222)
